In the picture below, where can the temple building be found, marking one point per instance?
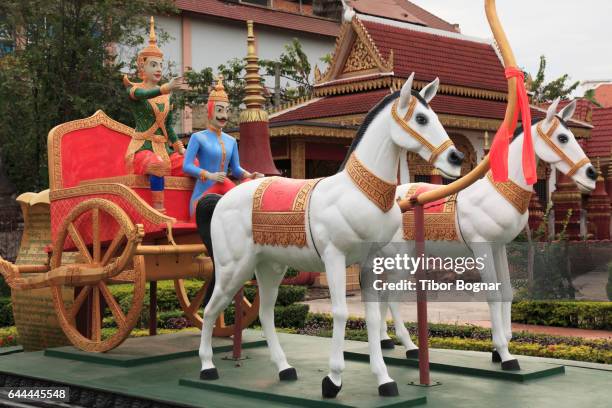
(374, 55)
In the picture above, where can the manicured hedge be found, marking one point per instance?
(582, 315)
(167, 300)
(465, 337)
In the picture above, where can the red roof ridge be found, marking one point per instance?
(291, 107)
(579, 122)
(427, 30)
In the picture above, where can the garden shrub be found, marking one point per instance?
(577, 314)
(6, 312)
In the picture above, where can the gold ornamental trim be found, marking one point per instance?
(140, 205)
(253, 115)
(439, 226)
(281, 228)
(54, 141)
(377, 190)
(513, 193)
(318, 131)
(138, 181)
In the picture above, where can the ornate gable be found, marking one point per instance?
(356, 54)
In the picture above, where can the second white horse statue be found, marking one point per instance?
(487, 220)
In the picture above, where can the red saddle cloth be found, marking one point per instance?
(439, 216)
(279, 211)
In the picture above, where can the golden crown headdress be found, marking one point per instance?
(218, 93)
(151, 50)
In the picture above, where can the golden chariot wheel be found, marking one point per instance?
(193, 309)
(105, 240)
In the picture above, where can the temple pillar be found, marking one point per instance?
(187, 116)
(566, 198)
(598, 210)
(298, 159)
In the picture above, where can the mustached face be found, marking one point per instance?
(563, 140)
(152, 69)
(220, 115)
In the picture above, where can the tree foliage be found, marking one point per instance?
(547, 92)
(63, 68)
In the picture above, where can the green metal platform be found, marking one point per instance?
(164, 370)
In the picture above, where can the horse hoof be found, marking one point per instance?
(412, 353)
(387, 344)
(388, 390)
(209, 374)
(511, 365)
(330, 390)
(495, 357)
(288, 374)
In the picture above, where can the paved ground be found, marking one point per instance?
(592, 286)
(165, 369)
(476, 313)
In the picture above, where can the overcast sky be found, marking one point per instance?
(575, 36)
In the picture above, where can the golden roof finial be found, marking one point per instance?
(254, 99)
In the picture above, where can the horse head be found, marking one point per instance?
(416, 128)
(555, 143)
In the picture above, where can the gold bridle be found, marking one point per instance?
(547, 138)
(435, 151)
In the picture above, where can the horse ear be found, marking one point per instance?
(406, 93)
(430, 91)
(568, 112)
(552, 110)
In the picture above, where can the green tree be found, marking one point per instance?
(547, 92)
(295, 67)
(63, 68)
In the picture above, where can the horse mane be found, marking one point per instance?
(370, 117)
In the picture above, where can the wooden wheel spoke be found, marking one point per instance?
(79, 242)
(196, 303)
(95, 228)
(78, 301)
(113, 305)
(96, 318)
(112, 248)
(245, 304)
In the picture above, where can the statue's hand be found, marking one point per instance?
(257, 175)
(219, 177)
(176, 83)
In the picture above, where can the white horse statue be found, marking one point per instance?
(487, 220)
(343, 212)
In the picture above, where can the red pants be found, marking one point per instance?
(216, 188)
(147, 162)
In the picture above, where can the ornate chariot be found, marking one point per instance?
(101, 214)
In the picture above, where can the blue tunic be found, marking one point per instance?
(216, 153)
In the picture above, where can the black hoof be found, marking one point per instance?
(388, 390)
(511, 365)
(412, 353)
(495, 357)
(288, 374)
(209, 374)
(387, 344)
(330, 390)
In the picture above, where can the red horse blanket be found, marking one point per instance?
(439, 216)
(279, 211)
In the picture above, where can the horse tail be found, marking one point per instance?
(204, 213)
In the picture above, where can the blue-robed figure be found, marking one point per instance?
(216, 151)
